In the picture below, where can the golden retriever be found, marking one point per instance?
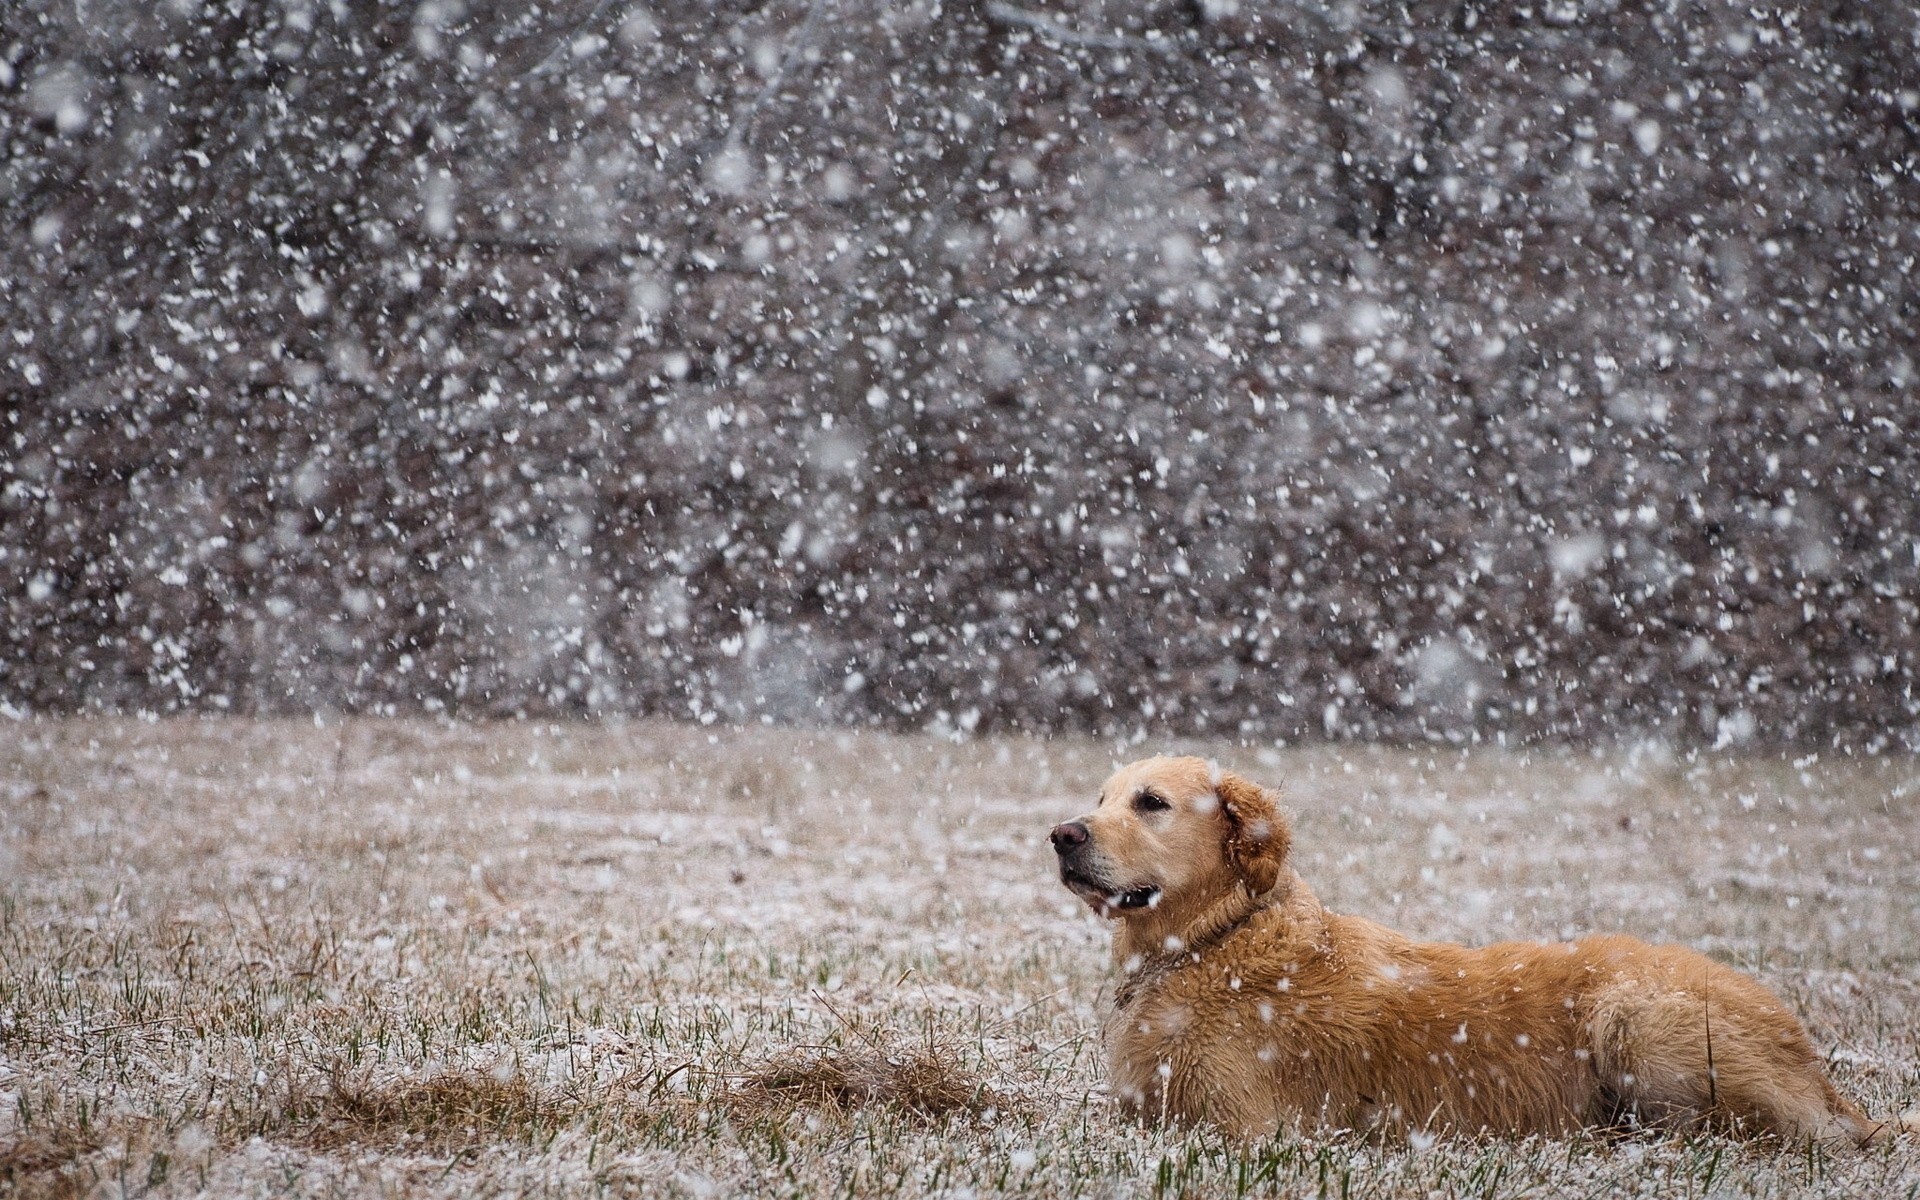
(1247, 1004)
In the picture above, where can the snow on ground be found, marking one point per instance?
(444, 959)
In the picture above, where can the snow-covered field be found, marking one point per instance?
(413, 959)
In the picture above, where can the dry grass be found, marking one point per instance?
(42, 1159)
(844, 1078)
(923, 1078)
(422, 960)
(455, 1110)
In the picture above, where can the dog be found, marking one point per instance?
(1246, 1004)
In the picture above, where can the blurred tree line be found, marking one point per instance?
(1388, 370)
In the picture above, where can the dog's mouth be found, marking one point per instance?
(1106, 899)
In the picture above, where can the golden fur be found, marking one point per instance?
(1247, 1004)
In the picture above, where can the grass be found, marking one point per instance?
(915, 1079)
(443, 960)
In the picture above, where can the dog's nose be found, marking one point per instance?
(1068, 837)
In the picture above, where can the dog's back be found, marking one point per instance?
(1340, 1022)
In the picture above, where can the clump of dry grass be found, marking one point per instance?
(450, 1111)
(40, 1161)
(926, 1078)
(49, 1141)
(925, 1075)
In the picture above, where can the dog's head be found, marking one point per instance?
(1169, 838)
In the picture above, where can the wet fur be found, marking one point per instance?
(1246, 1004)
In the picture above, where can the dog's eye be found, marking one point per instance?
(1148, 802)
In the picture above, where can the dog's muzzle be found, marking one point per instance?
(1069, 840)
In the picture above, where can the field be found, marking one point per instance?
(415, 959)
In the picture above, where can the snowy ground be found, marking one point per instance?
(409, 959)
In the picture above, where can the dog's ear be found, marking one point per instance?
(1257, 835)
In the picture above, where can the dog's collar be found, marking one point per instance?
(1213, 931)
